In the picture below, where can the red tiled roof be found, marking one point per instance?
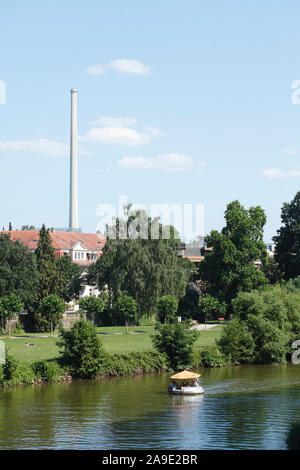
(60, 240)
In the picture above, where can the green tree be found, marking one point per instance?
(229, 268)
(140, 266)
(9, 306)
(209, 308)
(177, 343)
(287, 240)
(167, 307)
(81, 350)
(70, 275)
(18, 271)
(126, 307)
(49, 280)
(51, 310)
(93, 306)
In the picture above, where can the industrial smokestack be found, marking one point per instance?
(73, 216)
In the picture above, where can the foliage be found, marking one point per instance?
(188, 305)
(212, 357)
(134, 362)
(51, 310)
(264, 326)
(177, 343)
(237, 343)
(93, 306)
(81, 350)
(293, 437)
(48, 371)
(293, 285)
(126, 308)
(210, 308)
(166, 308)
(70, 275)
(49, 280)
(18, 271)
(229, 268)
(9, 306)
(144, 268)
(287, 240)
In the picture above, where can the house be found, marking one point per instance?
(84, 248)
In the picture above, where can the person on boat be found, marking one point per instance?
(195, 383)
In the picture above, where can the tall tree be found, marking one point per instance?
(287, 240)
(70, 275)
(229, 268)
(51, 310)
(46, 263)
(18, 271)
(140, 266)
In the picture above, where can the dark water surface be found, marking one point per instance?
(248, 407)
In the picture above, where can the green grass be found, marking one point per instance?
(46, 348)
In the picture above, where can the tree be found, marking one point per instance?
(93, 306)
(51, 309)
(49, 280)
(229, 268)
(126, 307)
(140, 266)
(70, 275)
(81, 350)
(209, 308)
(188, 305)
(10, 227)
(287, 240)
(271, 318)
(177, 343)
(9, 306)
(18, 271)
(166, 308)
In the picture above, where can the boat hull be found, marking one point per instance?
(187, 391)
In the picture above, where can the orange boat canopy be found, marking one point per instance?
(185, 375)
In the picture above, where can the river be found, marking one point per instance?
(247, 407)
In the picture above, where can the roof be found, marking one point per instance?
(60, 240)
(184, 375)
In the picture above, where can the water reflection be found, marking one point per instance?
(242, 408)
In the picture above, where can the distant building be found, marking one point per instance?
(270, 247)
(83, 248)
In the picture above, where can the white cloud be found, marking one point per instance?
(120, 131)
(116, 135)
(41, 146)
(275, 173)
(292, 150)
(174, 162)
(120, 65)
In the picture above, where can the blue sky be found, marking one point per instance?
(178, 102)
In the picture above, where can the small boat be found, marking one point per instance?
(190, 387)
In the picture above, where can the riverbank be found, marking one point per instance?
(34, 359)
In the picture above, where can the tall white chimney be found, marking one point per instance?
(73, 216)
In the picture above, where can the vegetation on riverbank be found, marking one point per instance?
(125, 354)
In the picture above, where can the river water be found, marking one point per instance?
(249, 407)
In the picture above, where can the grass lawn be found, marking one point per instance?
(46, 348)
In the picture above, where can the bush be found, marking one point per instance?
(81, 350)
(48, 371)
(212, 357)
(237, 343)
(127, 364)
(176, 343)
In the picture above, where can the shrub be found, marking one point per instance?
(49, 371)
(237, 343)
(177, 343)
(126, 364)
(81, 350)
(212, 357)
